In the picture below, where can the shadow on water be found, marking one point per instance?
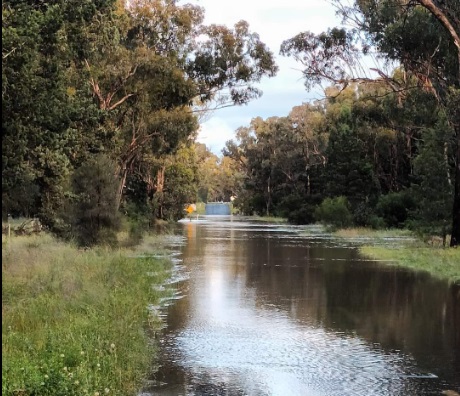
(268, 311)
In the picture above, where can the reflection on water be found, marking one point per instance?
(268, 311)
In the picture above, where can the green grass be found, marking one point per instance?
(358, 232)
(268, 219)
(442, 263)
(76, 322)
(409, 251)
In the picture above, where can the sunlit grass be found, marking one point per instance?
(440, 262)
(76, 322)
(409, 251)
(357, 232)
(269, 219)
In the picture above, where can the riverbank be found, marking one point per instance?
(401, 247)
(76, 322)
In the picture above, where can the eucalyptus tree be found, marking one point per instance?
(219, 178)
(309, 131)
(349, 171)
(122, 78)
(171, 65)
(422, 35)
(270, 156)
(181, 185)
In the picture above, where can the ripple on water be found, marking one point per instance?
(271, 356)
(233, 340)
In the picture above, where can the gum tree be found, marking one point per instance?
(423, 36)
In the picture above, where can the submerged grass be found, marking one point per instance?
(76, 322)
(409, 251)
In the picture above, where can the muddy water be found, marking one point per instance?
(268, 310)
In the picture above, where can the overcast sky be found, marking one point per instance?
(275, 21)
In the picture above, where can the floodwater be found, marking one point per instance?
(279, 310)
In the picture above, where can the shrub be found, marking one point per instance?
(94, 216)
(363, 214)
(394, 208)
(334, 212)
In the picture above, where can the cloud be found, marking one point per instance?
(214, 133)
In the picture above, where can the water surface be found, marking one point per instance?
(271, 310)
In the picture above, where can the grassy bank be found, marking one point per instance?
(76, 322)
(402, 248)
(268, 219)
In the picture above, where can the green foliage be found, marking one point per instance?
(94, 215)
(363, 214)
(104, 77)
(219, 178)
(395, 208)
(227, 62)
(334, 212)
(433, 190)
(180, 187)
(49, 122)
(423, 37)
(349, 171)
(21, 199)
(298, 209)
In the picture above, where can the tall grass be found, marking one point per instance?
(76, 322)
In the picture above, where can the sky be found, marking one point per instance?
(274, 21)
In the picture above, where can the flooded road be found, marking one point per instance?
(273, 310)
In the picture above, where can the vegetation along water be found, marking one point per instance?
(101, 108)
(76, 322)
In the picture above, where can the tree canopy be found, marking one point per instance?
(421, 35)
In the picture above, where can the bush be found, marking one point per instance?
(394, 208)
(94, 216)
(376, 222)
(363, 215)
(298, 209)
(334, 212)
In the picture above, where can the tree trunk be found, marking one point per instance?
(160, 179)
(455, 235)
(160, 183)
(269, 197)
(121, 186)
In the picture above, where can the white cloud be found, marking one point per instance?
(214, 133)
(275, 21)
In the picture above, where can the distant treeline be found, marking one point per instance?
(365, 157)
